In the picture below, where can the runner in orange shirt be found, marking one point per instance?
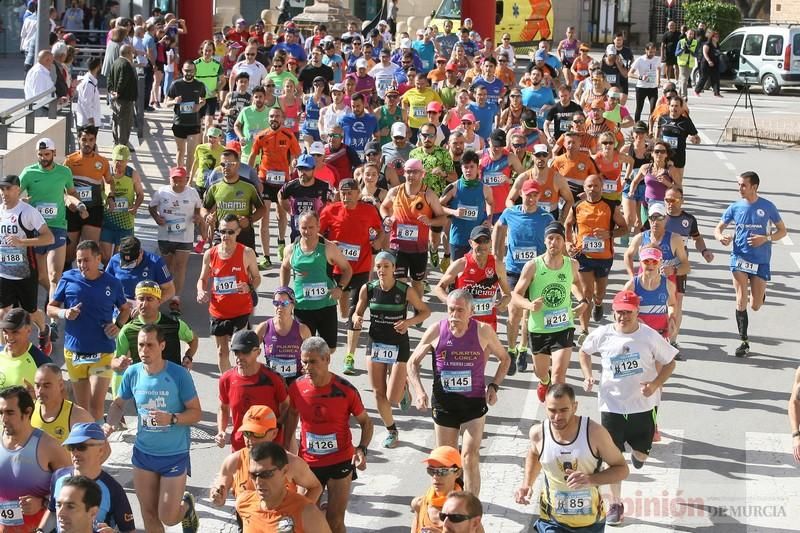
(277, 146)
(574, 164)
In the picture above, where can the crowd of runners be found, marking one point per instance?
(386, 158)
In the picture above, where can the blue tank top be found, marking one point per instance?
(667, 256)
(458, 362)
(20, 471)
(471, 199)
(311, 123)
(653, 309)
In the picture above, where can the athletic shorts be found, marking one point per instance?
(23, 293)
(114, 235)
(169, 247)
(337, 471)
(680, 283)
(270, 192)
(636, 429)
(403, 354)
(354, 289)
(513, 279)
(95, 219)
(323, 322)
(210, 108)
(437, 229)
(762, 270)
(163, 465)
(679, 159)
(184, 132)
(314, 134)
(226, 327)
(547, 343)
(89, 364)
(546, 526)
(411, 265)
(453, 410)
(61, 239)
(638, 194)
(457, 251)
(600, 267)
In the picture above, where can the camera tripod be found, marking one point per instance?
(748, 103)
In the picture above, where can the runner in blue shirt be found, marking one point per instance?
(167, 406)
(132, 265)
(752, 248)
(494, 85)
(485, 113)
(359, 126)
(85, 299)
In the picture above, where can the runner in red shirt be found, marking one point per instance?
(324, 403)
(232, 270)
(249, 383)
(357, 230)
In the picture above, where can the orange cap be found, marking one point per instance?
(259, 419)
(445, 456)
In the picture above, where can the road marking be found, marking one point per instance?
(729, 165)
(796, 257)
(787, 241)
(771, 484)
(706, 140)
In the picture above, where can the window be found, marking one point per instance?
(624, 11)
(796, 44)
(774, 45)
(733, 43)
(498, 15)
(752, 45)
(449, 9)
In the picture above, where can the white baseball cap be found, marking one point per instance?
(316, 148)
(540, 149)
(45, 143)
(399, 130)
(361, 63)
(611, 50)
(405, 43)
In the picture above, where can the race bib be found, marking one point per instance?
(84, 193)
(11, 513)
(626, 365)
(148, 422)
(610, 186)
(419, 112)
(569, 53)
(556, 318)
(494, 179)
(290, 122)
(225, 285)
(594, 244)
(278, 90)
(350, 251)
(523, 254)
(746, 266)
(611, 78)
(120, 204)
(482, 306)
(287, 368)
(312, 124)
(407, 232)
(85, 358)
(186, 108)
(315, 291)
(470, 212)
(175, 225)
(456, 380)
(672, 141)
(321, 444)
(48, 211)
(11, 255)
(383, 84)
(276, 177)
(583, 73)
(574, 502)
(385, 353)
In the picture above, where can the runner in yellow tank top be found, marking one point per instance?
(53, 413)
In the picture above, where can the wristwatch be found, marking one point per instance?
(173, 419)
(362, 448)
(493, 386)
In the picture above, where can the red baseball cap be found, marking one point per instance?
(451, 67)
(234, 145)
(625, 301)
(434, 106)
(531, 186)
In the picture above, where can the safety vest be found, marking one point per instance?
(686, 53)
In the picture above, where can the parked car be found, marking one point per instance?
(768, 56)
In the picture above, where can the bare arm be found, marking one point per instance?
(448, 279)
(286, 266)
(631, 252)
(303, 477)
(532, 466)
(794, 414)
(606, 449)
(428, 341)
(252, 268)
(518, 296)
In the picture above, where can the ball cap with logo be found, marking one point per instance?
(530, 187)
(84, 431)
(9, 180)
(625, 301)
(129, 250)
(656, 209)
(651, 253)
(244, 340)
(445, 456)
(259, 419)
(45, 143)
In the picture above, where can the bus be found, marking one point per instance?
(527, 21)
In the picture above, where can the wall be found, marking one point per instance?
(22, 147)
(785, 11)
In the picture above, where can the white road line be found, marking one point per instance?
(729, 165)
(787, 241)
(796, 257)
(772, 485)
(707, 141)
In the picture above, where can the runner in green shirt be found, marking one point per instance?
(252, 120)
(209, 71)
(206, 156)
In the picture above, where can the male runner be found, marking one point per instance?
(305, 193)
(132, 265)
(754, 217)
(53, 413)
(461, 347)
(19, 358)
(569, 450)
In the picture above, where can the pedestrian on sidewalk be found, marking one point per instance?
(122, 86)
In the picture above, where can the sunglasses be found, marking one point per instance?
(335, 135)
(281, 303)
(518, 146)
(227, 232)
(671, 200)
(466, 123)
(441, 471)
(656, 217)
(659, 151)
(226, 164)
(650, 261)
(454, 517)
(482, 240)
(264, 474)
(82, 447)
(269, 86)
(277, 64)
(540, 156)
(607, 143)
(515, 96)
(254, 435)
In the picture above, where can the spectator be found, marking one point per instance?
(38, 79)
(27, 34)
(62, 76)
(122, 86)
(73, 17)
(113, 50)
(88, 106)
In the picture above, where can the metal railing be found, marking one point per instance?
(27, 109)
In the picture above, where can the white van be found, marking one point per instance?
(762, 55)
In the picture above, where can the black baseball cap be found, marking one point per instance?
(15, 319)
(129, 250)
(9, 180)
(554, 227)
(498, 137)
(244, 340)
(478, 232)
(348, 184)
(372, 148)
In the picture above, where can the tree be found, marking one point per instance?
(750, 9)
(719, 15)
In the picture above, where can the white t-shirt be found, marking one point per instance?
(647, 70)
(628, 359)
(256, 71)
(178, 210)
(384, 77)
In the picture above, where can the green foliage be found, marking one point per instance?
(722, 16)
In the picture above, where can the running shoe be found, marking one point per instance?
(582, 337)
(45, 344)
(512, 368)
(743, 350)
(616, 512)
(200, 246)
(264, 262)
(281, 247)
(190, 522)
(597, 314)
(434, 258)
(522, 360)
(445, 264)
(637, 464)
(391, 439)
(405, 401)
(53, 331)
(349, 365)
(541, 389)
